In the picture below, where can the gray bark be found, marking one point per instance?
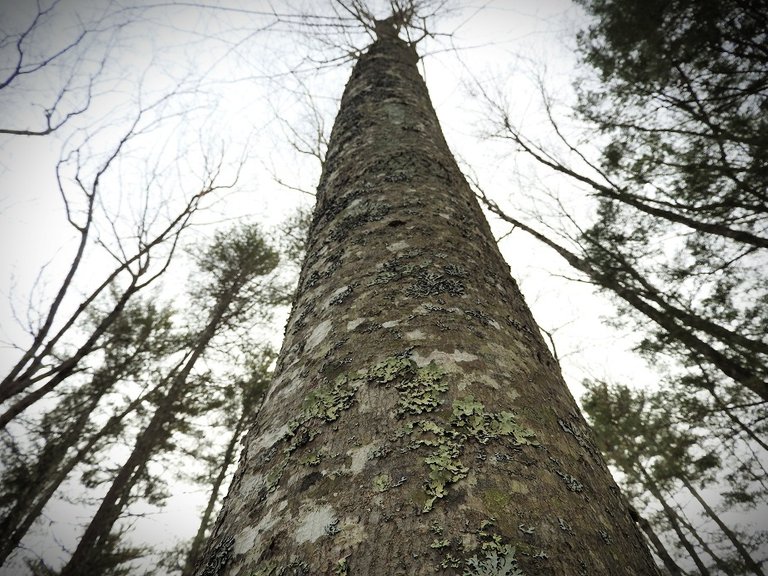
(417, 423)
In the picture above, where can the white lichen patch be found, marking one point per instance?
(356, 202)
(289, 389)
(335, 295)
(270, 438)
(443, 359)
(391, 324)
(398, 246)
(517, 361)
(250, 539)
(313, 524)
(415, 335)
(319, 334)
(252, 483)
(360, 457)
(244, 540)
(395, 112)
(486, 380)
(352, 324)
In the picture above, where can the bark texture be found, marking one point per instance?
(417, 423)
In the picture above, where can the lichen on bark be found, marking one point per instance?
(417, 423)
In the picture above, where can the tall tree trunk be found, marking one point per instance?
(85, 559)
(749, 562)
(722, 565)
(44, 476)
(723, 406)
(417, 423)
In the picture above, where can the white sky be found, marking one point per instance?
(503, 44)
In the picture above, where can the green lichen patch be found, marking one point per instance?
(388, 370)
(494, 563)
(325, 404)
(382, 483)
(445, 468)
(468, 421)
(419, 388)
(470, 415)
(312, 459)
(495, 557)
(490, 556)
(328, 404)
(341, 568)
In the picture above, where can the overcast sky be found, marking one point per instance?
(243, 86)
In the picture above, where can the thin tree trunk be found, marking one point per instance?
(723, 406)
(26, 510)
(227, 460)
(741, 374)
(417, 423)
(673, 520)
(42, 333)
(658, 546)
(69, 365)
(721, 564)
(615, 193)
(16, 381)
(749, 562)
(84, 560)
(85, 557)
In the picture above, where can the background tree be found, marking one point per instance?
(67, 434)
(239, 409)
(640, 435)
(233, 285)
(675, 101)
(668, 144)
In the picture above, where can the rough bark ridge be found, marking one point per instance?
(417, 423)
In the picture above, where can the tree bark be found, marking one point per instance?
(417, 423)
